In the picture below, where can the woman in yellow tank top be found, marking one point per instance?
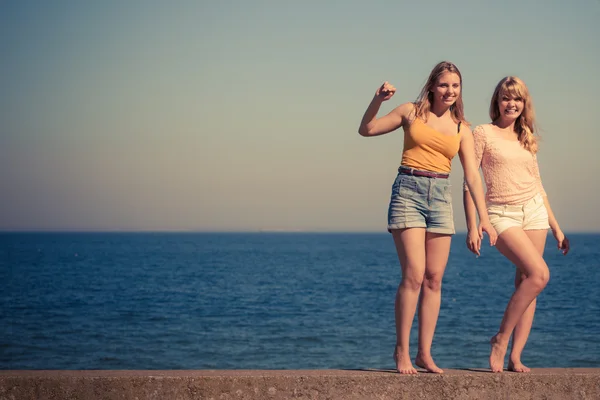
(420, 211)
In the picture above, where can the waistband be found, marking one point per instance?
(418, 172)
(535, 200)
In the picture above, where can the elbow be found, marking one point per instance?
(471, 177)
(367, 129)
(467, 181)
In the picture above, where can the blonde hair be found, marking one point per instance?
(525, 126)
(425, 99)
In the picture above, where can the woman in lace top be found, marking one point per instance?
(518, 209)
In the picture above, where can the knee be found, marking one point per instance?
(412, 282)
(433, 282)
(520, 278)
(540, 278)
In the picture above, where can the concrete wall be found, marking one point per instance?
(548, 384)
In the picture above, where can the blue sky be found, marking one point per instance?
(243, 115)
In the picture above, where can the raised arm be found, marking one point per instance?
(471, 162)
(370, 125)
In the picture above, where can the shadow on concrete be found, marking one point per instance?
(421, 370)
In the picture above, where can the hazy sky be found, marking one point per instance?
(242, 115)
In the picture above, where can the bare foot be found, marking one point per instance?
(497, 354)
(403, 364)
(428, 364)
(517, 366)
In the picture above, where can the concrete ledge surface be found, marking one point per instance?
(549, 384)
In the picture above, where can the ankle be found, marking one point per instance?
(501, 339)
(401, 350)
(423, 354)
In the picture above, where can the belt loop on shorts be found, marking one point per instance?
(537, 199)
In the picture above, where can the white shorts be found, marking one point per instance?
(529, 216)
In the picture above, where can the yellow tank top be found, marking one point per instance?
(427, 149)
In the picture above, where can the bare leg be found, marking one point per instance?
(521, 332)
(515, 245)
(437, 249)
(410, 245)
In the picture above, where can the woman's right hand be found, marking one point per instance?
(385, 91)
(474, 241)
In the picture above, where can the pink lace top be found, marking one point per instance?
(511, 173)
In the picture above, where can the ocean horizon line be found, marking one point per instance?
(215, 231)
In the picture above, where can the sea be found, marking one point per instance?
(269, 300)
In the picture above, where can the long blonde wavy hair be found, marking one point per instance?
(425, 99)
(525, 127)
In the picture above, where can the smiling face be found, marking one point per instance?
(510, 100)
(441, 93)
(510, 106)
(446, 89)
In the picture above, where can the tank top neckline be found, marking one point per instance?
(436, 131)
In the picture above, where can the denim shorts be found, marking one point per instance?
(421, 202)
(529, 216)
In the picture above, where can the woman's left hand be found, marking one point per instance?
(562, 242)
(474, 241)
(489, 229)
